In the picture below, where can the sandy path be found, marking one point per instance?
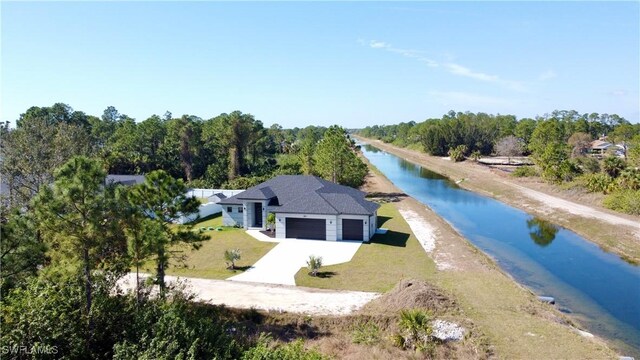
(268, 297)
(574, 208)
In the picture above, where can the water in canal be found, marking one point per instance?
(598, 289)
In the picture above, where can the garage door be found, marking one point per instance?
(352, 229)
(306, 228)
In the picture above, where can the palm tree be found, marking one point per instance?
(415, 331)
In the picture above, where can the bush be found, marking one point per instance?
(613, 166)
(525, 171)
(314, 264)
(599, 182)
(629, 179)
(588, 164)
(457, 153)
(366, 333)
(415, 331)
(267, 350)
(626, 201)
(230, 257)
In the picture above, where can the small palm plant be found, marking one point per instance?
(230, 257)
(271, 220)
(414, 330)
(314, 264)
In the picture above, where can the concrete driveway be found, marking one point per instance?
(280, 265)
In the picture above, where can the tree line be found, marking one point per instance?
(559, 144)
(231, 150)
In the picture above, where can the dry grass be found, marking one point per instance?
(379, 265)
(208, 262)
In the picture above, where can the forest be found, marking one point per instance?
(558, 143)
(231, 150)
(68, 235)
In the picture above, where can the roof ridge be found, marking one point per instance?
(327, 201)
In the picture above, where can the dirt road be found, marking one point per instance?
(268, 297)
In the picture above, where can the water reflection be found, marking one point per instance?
(370, 148)
(541, 232)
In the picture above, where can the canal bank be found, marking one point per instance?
(515, 324)
(538, 271)
(614, 232)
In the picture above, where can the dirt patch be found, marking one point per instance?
(410, 294)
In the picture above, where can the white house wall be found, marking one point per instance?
(233, 218)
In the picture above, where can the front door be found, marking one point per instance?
(257, 214)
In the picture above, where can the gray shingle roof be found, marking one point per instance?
(307, 195)
(125, 179)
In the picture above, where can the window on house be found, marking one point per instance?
(240, 209)
(229, 209)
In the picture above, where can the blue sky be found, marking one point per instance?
(299, 64)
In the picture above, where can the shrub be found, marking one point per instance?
(475, 155)
(626, 201)
(457, 153)
(366, 333)
(230, 257)
(598, 182)
(314, 264)
(613, 166)
(587, 164)
(414, 331)
(265, 349)
(525, 171)
(629, 179)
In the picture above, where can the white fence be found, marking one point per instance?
(209, 208)
(205, 193)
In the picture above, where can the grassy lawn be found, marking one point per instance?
(377, 266)
(208, 262)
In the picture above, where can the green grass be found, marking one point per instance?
(380, 265)
(208, 262)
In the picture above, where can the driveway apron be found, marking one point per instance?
(280, 265)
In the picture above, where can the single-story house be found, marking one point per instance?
(601, 147)
(305, 207)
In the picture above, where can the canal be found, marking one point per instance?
(596, 288)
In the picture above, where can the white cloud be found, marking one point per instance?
(453, 68)
(463, 71)
(378, 44)
(547, 75)
(413, 54)
(618, 93)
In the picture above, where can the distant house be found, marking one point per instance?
(125, 179)
(305, 207)
(601, 147)
(217, 197)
